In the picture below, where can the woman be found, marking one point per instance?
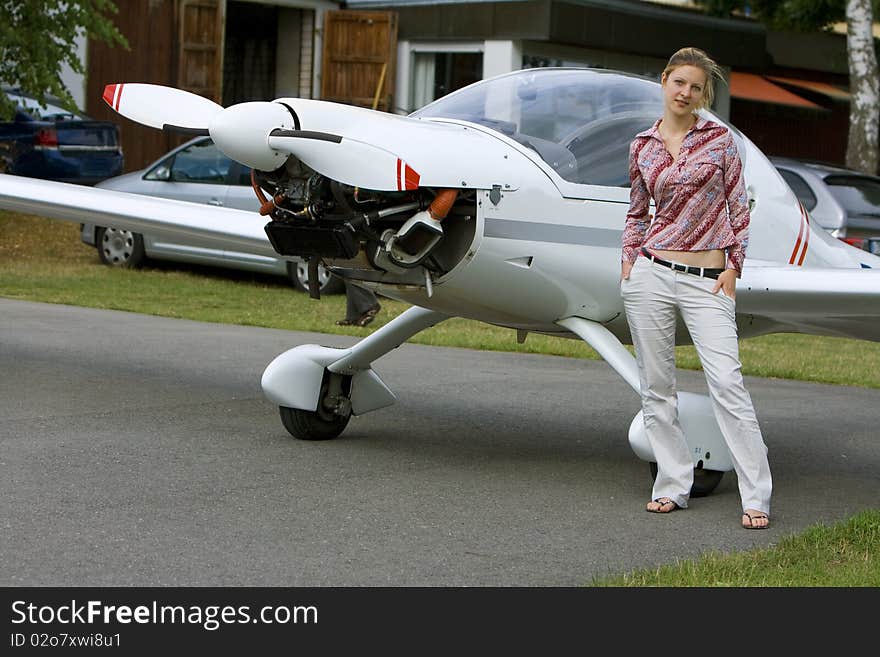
(689, 258)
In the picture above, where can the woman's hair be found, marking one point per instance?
(698, 58)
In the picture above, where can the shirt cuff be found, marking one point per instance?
(629, 254)
(735, 258)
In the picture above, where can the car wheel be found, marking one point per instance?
(120, 248)
(298, 272)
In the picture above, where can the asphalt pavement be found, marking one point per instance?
(140, 451)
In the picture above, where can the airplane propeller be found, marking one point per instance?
(161, 107)
(364, 164)
(262, 135)
(240, 131)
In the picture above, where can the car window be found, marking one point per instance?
(858, 196)
(202, 162)
(800, 188)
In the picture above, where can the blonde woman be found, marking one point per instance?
(687, 259)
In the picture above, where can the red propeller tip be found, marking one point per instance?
(111, 95)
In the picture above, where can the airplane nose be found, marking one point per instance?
(242, 132)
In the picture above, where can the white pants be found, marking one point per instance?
(651, 295)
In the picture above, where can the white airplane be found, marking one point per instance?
(503, 202)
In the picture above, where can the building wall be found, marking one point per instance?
(76, 82)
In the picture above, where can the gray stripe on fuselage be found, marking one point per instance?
(515, 229)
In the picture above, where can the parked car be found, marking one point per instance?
(844, 202)
(53, 143)
(197, 172)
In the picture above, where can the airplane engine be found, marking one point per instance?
(406, 237)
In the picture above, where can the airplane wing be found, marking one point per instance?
(774, 298)
(223, 228)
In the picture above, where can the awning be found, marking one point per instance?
(749, 86)
(819, 87)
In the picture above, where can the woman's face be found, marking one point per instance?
(683, 89)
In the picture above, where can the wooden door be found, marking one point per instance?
(360, 53)
(200, 47)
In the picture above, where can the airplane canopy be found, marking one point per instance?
(580, 121)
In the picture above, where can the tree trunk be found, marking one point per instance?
(864, 112)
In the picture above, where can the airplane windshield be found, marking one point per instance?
(580, 121)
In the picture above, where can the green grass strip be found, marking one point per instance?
(845, 554)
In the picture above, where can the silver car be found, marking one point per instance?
(197, 172)
(844, 202)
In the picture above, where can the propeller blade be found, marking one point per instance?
(161, 107)
(347, 160)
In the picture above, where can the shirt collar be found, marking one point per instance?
(701, 124)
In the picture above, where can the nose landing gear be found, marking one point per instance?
(329, 419)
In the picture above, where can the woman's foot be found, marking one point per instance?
(752, 519)
(661, 505)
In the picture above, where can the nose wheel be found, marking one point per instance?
(329, 419)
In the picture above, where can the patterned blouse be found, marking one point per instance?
(700, 198)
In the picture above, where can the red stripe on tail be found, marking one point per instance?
(806, 236)
(797, 245)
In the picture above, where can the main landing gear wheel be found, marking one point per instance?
(705, 481)
(329, 419)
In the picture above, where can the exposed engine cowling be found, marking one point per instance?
(408, 237)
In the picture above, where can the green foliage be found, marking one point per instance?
(795, 15)
(38, 36)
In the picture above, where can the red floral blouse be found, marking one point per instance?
(700, 197)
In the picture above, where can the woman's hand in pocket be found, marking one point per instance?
(727, 284)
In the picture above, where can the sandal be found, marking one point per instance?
(755, 516)
(663, 502)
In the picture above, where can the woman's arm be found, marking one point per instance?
(637, 217)
(737, 205)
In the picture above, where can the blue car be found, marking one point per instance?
(53, 143)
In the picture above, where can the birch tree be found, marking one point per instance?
(864, 85)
